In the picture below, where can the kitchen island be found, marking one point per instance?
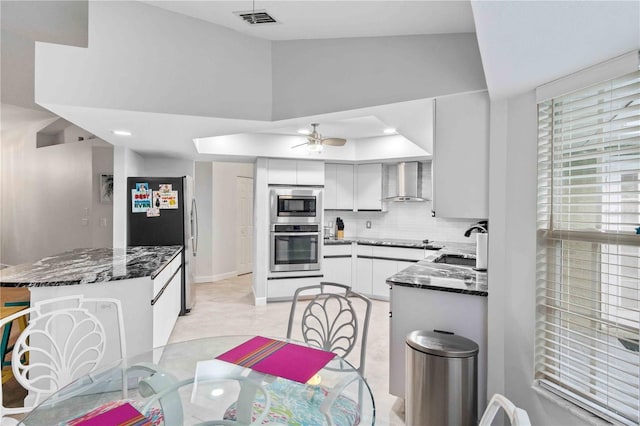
(147, 280)
(437, 296)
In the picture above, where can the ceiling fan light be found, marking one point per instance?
(314, 147)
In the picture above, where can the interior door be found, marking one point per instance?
(244, 224)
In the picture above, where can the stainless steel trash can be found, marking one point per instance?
(441, 383)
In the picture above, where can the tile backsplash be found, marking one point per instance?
(402, 220)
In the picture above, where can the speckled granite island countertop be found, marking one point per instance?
(87, 266)
(443, 277)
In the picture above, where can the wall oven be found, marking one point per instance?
(296, 205)
(295, 247)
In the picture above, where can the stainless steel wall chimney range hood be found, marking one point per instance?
(409, 182)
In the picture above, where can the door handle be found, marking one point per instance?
(194, 226)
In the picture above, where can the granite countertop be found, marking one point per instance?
(86, 266)
(387, 242)
(440, 276)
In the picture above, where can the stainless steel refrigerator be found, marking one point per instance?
(172, 220)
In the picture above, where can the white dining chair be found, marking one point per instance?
(331, 317)
(517, 416)
(64, 340)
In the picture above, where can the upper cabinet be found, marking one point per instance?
(295, 172)
(338, 186)
(369, 187)
(460, 165)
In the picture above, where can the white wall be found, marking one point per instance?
(204, 199)
(320, 76)
(148, 59)
(23, 22)
(260, 231)
(167, 167)
(48, 196)
(216, 195)
(101, 212)
(404, 221)
(125, 163)
(512, 276)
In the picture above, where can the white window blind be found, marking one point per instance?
(588, 261)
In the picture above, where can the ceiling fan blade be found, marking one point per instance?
(334, 141)
(300, 144)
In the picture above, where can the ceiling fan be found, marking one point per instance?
(315, 141)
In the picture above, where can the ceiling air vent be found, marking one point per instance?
(255, 17)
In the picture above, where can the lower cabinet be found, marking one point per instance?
(381, 270)
(377, 263)
(337, 263)
(283, 288)
(425, 309)
(166, 310)
(337, 270)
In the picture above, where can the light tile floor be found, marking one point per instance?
(226, 308)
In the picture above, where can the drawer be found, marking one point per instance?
(362, 250)
(401, 253)
(165, 275)
(337, 250)
(283, 289)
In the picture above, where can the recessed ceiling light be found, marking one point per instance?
(389, 131)
(304, 131)
(122, 132)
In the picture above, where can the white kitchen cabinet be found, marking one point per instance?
(294, 172)
(460, 167)
(377, 263)
(330, 187)
(369, 187)
(165, 305)
(381, 270)
(337, 270)
(279, 289)
(363, 269)
(309, 172)
(425, 309)
(337, 263)
(338, 187)
(282, 172)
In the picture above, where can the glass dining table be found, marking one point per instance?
(184, 384)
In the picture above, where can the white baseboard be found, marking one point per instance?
(212, 278)
(258, 301)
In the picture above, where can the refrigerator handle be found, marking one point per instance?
(194, 226)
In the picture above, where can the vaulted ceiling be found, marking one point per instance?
(522, 45)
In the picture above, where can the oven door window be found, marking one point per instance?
(301, 207)
(296, 250)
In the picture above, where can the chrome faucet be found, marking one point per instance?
(482, 227)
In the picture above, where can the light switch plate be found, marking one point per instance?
(368, 224)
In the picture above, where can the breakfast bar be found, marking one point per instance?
(146, 280)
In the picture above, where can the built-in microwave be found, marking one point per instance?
(296, 205)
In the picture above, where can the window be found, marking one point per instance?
(588, 261)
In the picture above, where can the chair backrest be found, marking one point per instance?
(64, 340)
(517, 416)
(331, 320)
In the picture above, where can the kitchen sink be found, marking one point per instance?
(455, 259)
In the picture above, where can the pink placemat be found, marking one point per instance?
(278, 358)
(118, 413)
